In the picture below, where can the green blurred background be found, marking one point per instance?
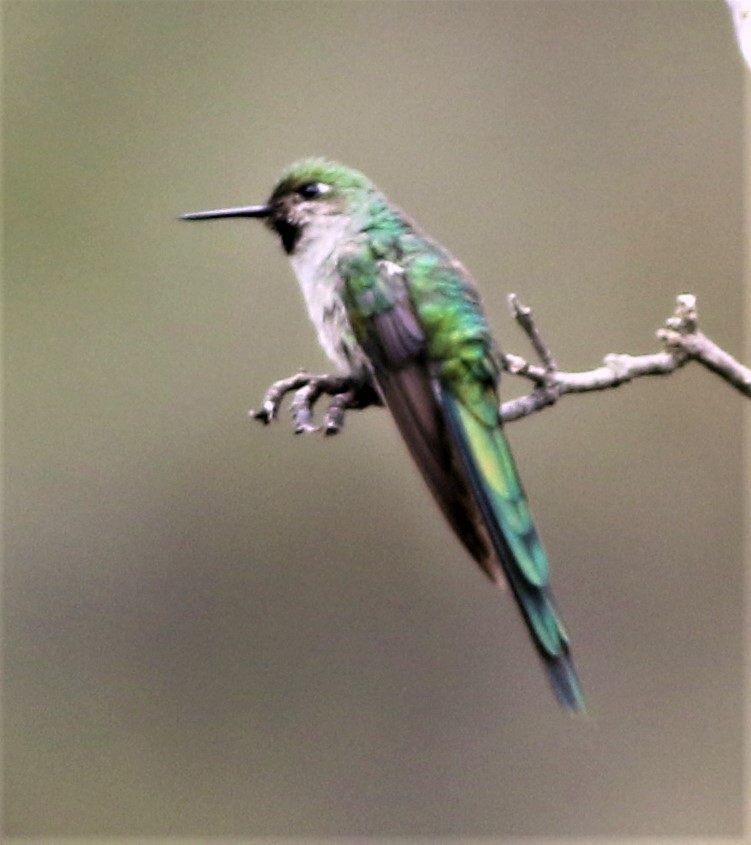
(212, 628)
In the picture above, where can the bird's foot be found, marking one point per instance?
(346, 392)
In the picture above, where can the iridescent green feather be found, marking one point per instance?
(489, 463)
(391, 263)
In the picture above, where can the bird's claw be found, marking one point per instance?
(333, 420)
(265, 414)
(273, 397)
(346, 393)
(302, 406)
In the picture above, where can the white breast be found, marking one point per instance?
(314, 263)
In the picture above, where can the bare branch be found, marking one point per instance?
(523, 316)
(680, 337)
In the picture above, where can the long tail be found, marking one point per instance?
(488, 462)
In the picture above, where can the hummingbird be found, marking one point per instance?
(400, 317)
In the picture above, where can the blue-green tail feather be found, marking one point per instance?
(490, 466)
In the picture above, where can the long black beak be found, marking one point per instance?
(246, 211)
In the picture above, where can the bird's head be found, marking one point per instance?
(310, 193)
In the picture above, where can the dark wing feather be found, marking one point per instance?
(395, 344)
(452, 429)
(408, 392)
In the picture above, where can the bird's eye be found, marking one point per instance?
(311, 190)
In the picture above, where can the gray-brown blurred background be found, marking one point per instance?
(212, 628)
